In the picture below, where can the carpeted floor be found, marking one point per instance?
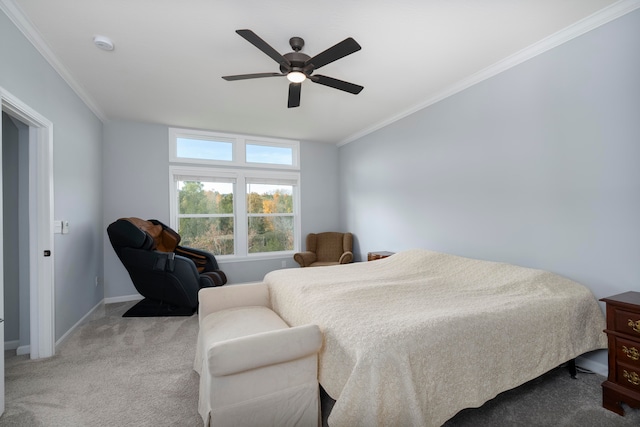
(116, 371)
(554, 399)
(112, 371)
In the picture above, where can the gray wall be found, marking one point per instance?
(77, 172)
(537, 166)
(136, 183)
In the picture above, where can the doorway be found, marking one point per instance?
(15, 203)
(37, 133)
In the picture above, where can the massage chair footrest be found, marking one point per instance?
(152, 308)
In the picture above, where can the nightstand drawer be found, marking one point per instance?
(627, 323)
(628, 352)
(628, 376)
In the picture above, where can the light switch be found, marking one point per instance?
(65, 227)
(57, 227)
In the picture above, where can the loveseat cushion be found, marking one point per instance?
(239, 322)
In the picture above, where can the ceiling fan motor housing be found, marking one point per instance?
(297, 60)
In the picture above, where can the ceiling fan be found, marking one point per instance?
(298, 67)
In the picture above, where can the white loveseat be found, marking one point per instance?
(254, 369)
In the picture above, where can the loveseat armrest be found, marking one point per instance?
(305, 259)
(230, 296)
(263, 349)
(346, 258)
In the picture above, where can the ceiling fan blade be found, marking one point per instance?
(253, 38)
(252, 76)
(294, 95)
(337, 84)
(340, 50)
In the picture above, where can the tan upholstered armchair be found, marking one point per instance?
(329, 248)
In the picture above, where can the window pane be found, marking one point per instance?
(269, 198)
(196, 197)
(204, 149)
(270, 234)
(269, 154)
(213, 235)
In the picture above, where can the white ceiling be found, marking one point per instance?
(170, 55)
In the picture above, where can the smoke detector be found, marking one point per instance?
(103, 43)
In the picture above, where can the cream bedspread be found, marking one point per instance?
(412, 339)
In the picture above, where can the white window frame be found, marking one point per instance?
(239, 149)
(239, 170)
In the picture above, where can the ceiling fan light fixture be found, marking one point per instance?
(296, 77)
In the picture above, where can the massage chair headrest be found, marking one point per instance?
(124, 234)
(142, 234)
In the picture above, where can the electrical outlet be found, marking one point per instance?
(97, 281)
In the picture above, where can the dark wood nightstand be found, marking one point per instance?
(372, 256)
(623, 331)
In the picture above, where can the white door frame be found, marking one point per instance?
(41, 265)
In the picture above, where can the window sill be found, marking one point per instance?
(233, 259)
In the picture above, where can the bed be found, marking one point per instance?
(412, 339)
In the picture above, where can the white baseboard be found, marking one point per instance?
(15, 345)
(23, 349)
(11, 345)
(126, 298)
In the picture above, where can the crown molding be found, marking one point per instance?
(25, 26)
(581, 27)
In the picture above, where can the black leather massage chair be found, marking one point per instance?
(166, 274)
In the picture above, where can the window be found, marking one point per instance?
(270, 216)
(269, 154)
(200, 147)
(233, 196)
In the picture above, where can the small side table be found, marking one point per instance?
(372, 256)
(623, 332)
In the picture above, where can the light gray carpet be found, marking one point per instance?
(112, 371)
(116, 371)
(554, 399)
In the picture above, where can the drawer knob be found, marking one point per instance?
(634, 325)
(632, 353)
(632, 377)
